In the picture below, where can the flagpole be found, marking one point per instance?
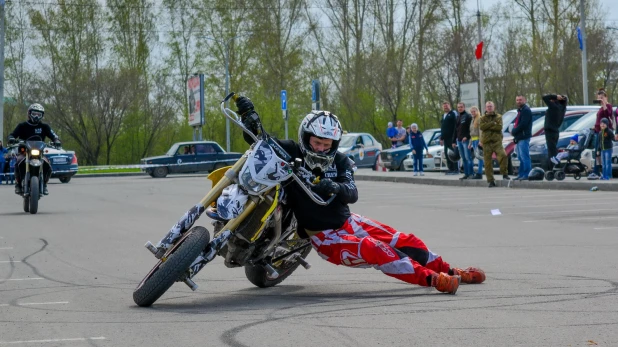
(481, 61)
(584, 53)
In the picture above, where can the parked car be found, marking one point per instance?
(509, 117)
(64, 163)
(428, 159)
(363, 148)
(393, 158)
(186, 157)
(538, 130)
(538, 145)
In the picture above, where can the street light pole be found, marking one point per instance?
(226, 46)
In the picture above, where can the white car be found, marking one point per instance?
(428, 159)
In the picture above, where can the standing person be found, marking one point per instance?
(491, 141)
(463, 140)
(475, 135)
(391, 133)
(604, 112)
(417, 143)
(12, 163)
(606, 148)
(401, 133)
(3, 153)
(556, 108)
(447, 135)
(340, 236)
(522, 132)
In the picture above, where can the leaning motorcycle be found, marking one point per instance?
(32, 169)
(252, 226)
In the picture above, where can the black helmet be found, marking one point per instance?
(35, 113)
(478, 152)
(536, 174)
(453, 154)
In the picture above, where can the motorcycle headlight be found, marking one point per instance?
(247, 181)
(35, 152)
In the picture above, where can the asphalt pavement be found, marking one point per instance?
(67, 274)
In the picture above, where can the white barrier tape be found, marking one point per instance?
(143, 166)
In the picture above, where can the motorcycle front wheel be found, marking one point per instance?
(170, 270)
(34, 195)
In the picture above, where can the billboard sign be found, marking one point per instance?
(196, 100)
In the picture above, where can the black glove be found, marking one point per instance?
(326, 187)
(244, 105)
(11, 140)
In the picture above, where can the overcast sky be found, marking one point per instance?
(610, 7)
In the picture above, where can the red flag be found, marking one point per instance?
(479, 51)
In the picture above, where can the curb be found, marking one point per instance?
(557, 185)
(118, 174)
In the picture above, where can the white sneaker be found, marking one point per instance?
(415, 174)
(555, 160)
(422, 173)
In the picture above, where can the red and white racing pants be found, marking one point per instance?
(363, 242)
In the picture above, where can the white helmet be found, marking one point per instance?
(324, 125)
(36, 113)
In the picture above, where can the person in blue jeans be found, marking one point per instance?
(463, 140)
(3, 153)
(475, 135)
(522, 132)
(417, 143)
(11, 175)
(606, 148)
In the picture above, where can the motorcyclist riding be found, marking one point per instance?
(342, 237)
(24, 131)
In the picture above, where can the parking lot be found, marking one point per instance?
(67, 274)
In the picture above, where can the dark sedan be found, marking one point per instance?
(187, 157)
(64, 163)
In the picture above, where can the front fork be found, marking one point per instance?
(186, 222)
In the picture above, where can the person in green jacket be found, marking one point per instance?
(491, 141)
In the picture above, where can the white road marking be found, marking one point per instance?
(43, 303)
(25, 279)
(561, 219)
(535, 206)
(548, 212)
(52, 340)
(605, 228)
(6, 247)
(10, 261)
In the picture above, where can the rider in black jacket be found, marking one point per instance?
(24, 131)
(342, 237)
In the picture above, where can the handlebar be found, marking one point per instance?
(233, 116)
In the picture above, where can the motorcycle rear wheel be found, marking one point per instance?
(165, 273)
(257, 274)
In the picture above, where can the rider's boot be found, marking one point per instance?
(445, 283)
(471, 275)
(18, 189)
(45, 191)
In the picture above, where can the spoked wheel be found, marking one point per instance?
(257, 275)
(171, 267)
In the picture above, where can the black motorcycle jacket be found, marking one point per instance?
(26, 130)
(309, 215)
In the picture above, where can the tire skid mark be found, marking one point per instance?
(230, 336)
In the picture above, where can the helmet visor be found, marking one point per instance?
(36, 115)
